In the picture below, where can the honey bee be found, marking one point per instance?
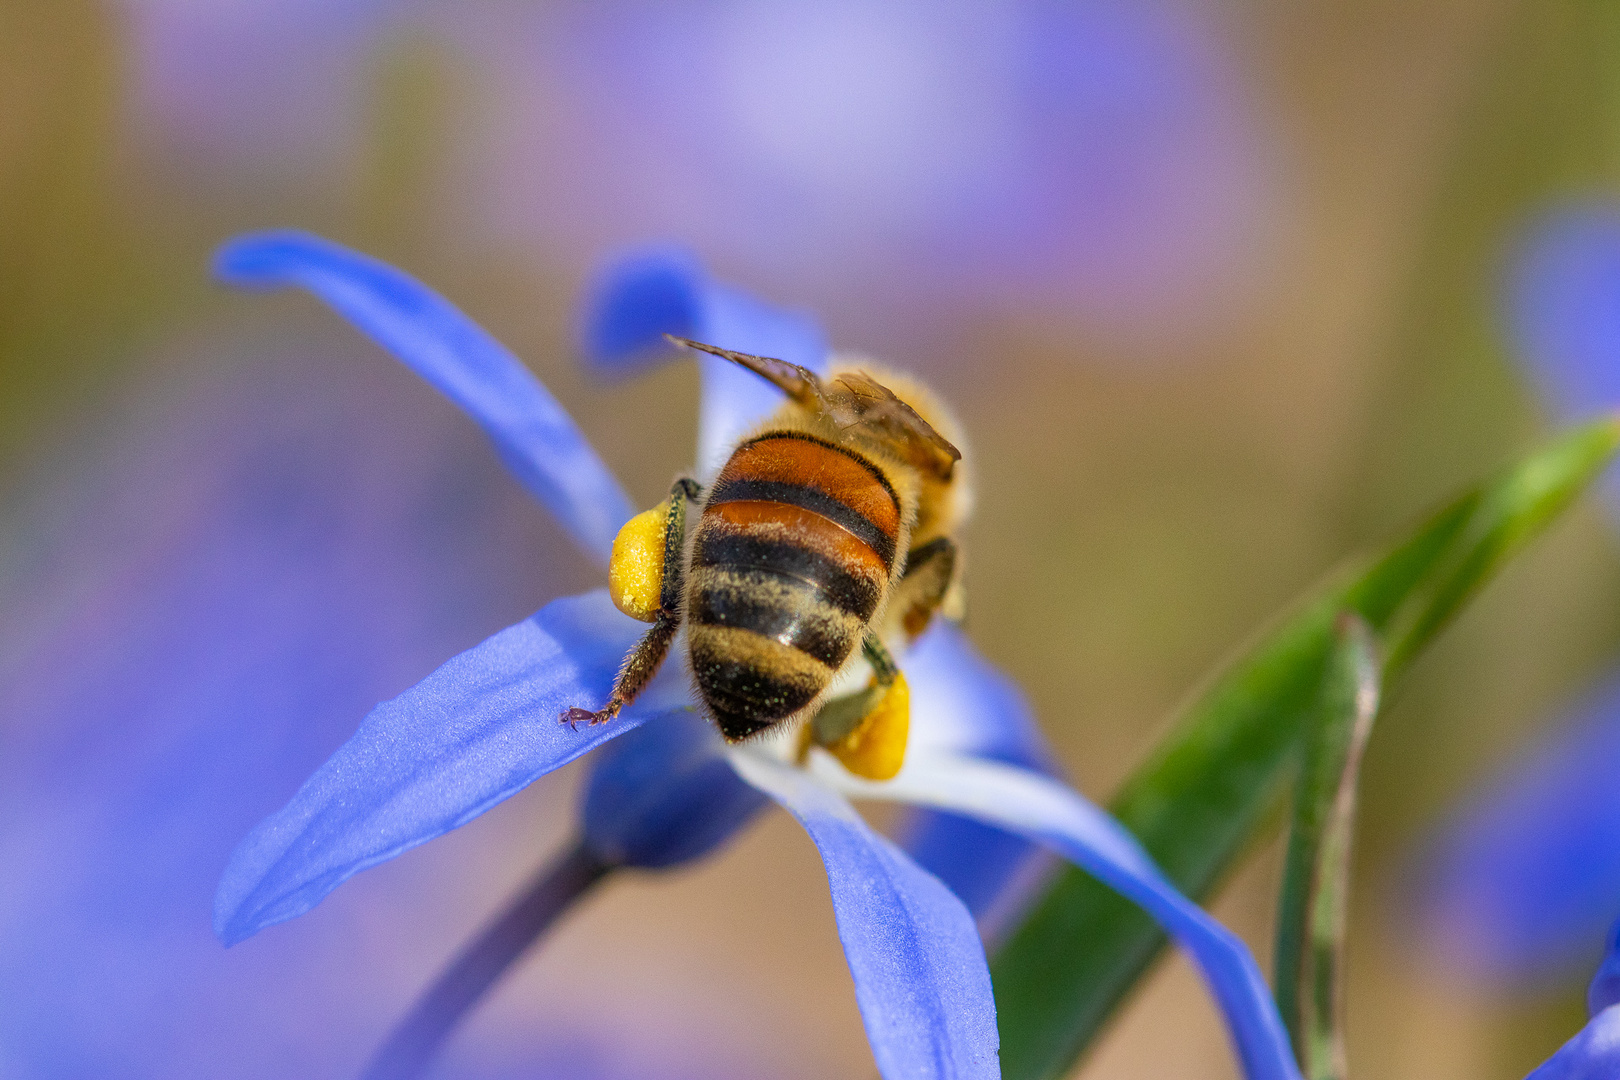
(830, 527)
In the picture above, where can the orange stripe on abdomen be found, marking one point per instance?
(805, 527)
(832, 470)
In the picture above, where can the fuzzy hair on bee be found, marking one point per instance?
(828, 531)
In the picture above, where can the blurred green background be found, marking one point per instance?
(1148, 497)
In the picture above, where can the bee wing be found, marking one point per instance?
(800, 384)
(855, 398)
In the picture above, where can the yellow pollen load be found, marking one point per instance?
(636, 571)
(877, 747)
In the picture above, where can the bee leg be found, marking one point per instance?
(648, 656)
(840, 716)
(884, 670)
(931, 570)
(634, 675)
(686, 488)
(866, 730)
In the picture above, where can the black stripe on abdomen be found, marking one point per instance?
(856, 594)
(773, 606)
(808, 498)
(746, 698)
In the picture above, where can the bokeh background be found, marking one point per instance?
(1217, 287)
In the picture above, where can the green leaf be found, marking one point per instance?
(1316, 875)
(1198, 801)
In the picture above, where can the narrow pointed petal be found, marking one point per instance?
(1046, 811)
(646, 294)
(921, 978)
(536, 439)
(962, 704)
(475, 732)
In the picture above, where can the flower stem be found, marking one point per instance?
(417, 1038)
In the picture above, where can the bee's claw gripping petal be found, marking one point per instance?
(576, 716)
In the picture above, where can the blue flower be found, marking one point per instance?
(1521, 883)
(483, 725)
(1594, 1053)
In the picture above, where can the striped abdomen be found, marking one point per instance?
(790, 561)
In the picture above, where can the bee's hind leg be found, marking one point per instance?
(637, 671)
(866, 730)
(648, 656)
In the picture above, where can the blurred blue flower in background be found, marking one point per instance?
(1098, 161)
(1100, 154)
(482, 726)
(1523, 880)
(264, 87)
(1527, 874)
(191, 614)
(1565, 306)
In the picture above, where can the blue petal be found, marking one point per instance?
(963, 704)
(921, 978)
(1523, 882)
(1044, 810)
(1594, 1054)
(646, 294)
(665, 795)
(475, 732)
(536, 439)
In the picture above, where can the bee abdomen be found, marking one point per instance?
(769, 624)
(790, 562)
